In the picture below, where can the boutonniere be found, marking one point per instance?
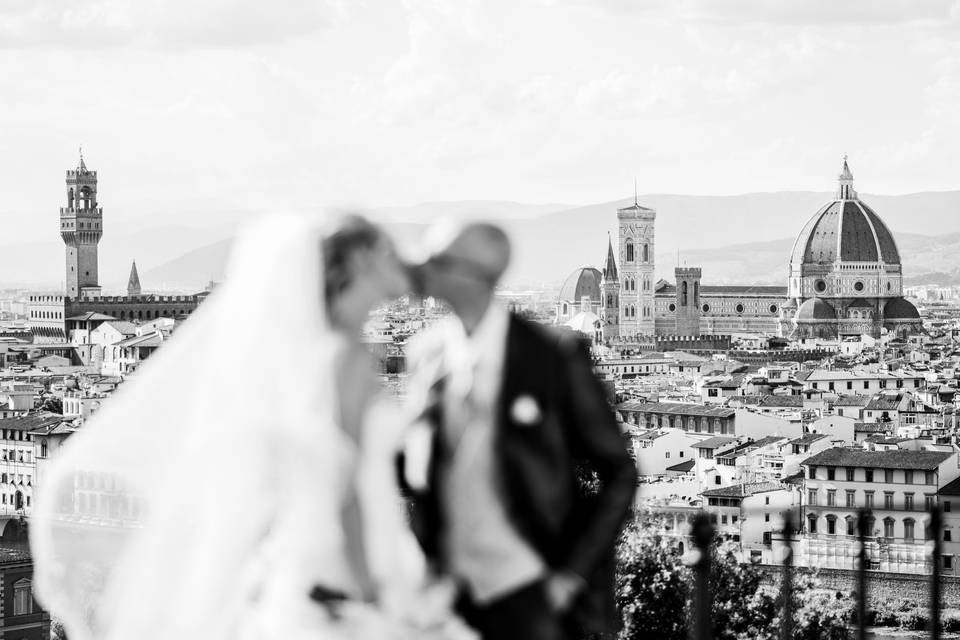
(525, 410)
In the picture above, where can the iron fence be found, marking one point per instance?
(703, 533)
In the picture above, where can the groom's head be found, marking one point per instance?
(463, 261)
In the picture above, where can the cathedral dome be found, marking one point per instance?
(582, 283)
(845, 230)
(900, 309)
(815, 309)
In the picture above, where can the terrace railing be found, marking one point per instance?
(703, 533)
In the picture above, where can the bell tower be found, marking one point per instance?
(636, 229)
(81, 227)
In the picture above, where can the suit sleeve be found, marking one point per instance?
(598, 441)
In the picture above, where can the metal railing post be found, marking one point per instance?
(863, 518)
(702, 532)
(786, 587)
(936, 533)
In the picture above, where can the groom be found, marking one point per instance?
(512, 415)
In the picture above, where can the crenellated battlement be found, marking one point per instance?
(74, 211)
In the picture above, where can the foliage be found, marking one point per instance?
(655, 594)
(52, 404)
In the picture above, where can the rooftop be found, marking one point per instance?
(31, 421)
(715, 442)
(677, 408)
(742, 490)
(896, 459)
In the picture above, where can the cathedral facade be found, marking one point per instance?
(51, 316)
(845, 279)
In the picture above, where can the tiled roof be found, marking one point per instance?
(31, 421)
(951, 488)
(870, 427)
(809, 438)
(683, 467)
(897, 459)
(883, 403)
(742, 490)
(852, 401)
(793, 402)
(678, 409)
(714, 443)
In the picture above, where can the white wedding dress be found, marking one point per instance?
(205, 499)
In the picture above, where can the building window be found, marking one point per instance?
(948, 562)
(850, 475)
(888, 500)
(888, 527)
(888, 476)
(831, 497)
(869, 474)
(832, 525)
(812, 497)
(868, 499)
(766, 518)
(931, 477)
(831, 472)
(908, 477)
(22, 597)
(928, 502)
(646, 253)
(851, 498)
(851, 526)
(908, 530)
(908, 502)
(812, 524)
(946, 535)
(629, 251)
(946, 506)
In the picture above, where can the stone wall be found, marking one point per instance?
(883, 585)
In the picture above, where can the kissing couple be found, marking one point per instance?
(252, 480)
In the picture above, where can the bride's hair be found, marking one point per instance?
(351, 233)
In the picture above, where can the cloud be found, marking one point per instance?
(782, 12)
(164, 24)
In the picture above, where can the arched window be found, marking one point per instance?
(23, 597)
(696, 293)
(888, 527)
(646, 253)
(43, 448)
(564, 312)
(812, 523)
(832, 524)
(908, 527)
(629, 251)
(683, 294)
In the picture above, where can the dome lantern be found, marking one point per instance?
(845, 183)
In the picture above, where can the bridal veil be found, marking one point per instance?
(149, 518)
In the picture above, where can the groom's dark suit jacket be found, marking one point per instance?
(575, 432)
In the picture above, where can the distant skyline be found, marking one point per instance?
(196, 110)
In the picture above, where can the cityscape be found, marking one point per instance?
(756, 405)
(502, 320)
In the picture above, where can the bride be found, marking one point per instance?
(241, 484)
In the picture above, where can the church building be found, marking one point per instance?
(53, 316)
(845, 278)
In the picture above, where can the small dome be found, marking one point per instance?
(789, 303)
(900, 309)
(815, 309)
(582, 283)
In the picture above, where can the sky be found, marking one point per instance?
(194, 110)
